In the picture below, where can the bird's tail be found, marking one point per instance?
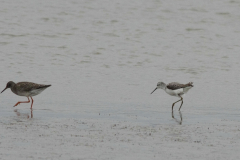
(190, 84)
(43, 86)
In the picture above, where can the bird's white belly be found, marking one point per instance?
(176, 92)
(26, 94)
(31, 93)
(36, 92)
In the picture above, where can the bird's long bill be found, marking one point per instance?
(154, 90)
(4, 89)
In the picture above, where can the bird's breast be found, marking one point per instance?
(175, 92)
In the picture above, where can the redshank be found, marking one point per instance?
(175, 89)
(27, 89)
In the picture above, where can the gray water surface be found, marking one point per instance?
(105, 57)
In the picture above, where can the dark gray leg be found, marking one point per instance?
(175, 102)
(180, 117)
(181, 103)
(180, 122)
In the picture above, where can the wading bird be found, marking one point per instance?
(175, 89)
(27, 89)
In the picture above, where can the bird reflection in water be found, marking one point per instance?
(178, 121)
(24, 115)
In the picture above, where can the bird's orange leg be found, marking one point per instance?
(22, 102)
(31, 113)
(32, 103)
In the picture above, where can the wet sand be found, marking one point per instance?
(103, 138)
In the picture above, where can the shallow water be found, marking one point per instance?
(104, 58)
(108, 57)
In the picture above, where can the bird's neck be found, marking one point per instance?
(13, 88)
(163, 86)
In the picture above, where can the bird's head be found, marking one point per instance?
(9, 85)
(160, 85)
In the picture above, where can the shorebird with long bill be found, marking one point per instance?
(27, 89)
(175, 89)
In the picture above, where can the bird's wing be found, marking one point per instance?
(29, 86)
(175, 85)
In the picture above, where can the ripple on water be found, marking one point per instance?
(96, 53)
(14, 35)
(194, 29)
(111, 35)
(5, 43)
